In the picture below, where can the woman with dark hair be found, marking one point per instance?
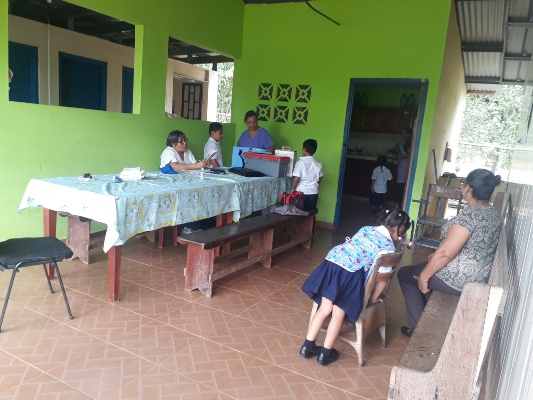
(177, 157)
(466, 253)
(255, 136)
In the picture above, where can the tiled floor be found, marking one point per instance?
(162, 342)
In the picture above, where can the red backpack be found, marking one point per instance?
(295, 198)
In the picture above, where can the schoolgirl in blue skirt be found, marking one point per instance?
(338, 284)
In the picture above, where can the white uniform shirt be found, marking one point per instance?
(171, 155)
(309, 170)
(211, 146)
(381, 175)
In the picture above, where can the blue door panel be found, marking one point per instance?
(127, 90)
(23, 61)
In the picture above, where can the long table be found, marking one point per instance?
(129, 208)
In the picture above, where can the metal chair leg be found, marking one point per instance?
(48, 279)
(7, 297)
(62, 289)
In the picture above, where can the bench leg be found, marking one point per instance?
(199, 269)
(78, 238)
(223, 220)
(261, 243)
(302, 228)
(114, 259)
(50, 226)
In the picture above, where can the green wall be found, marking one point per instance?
(46, 141)
(290, 44)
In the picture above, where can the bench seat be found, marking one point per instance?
(204, 247)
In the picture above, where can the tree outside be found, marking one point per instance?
(488, 131)
(225, 89)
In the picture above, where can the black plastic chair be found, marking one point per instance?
(27, 252)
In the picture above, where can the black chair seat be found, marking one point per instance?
(32, 251)
(25, 252)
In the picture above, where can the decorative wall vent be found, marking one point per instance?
(266, 91)
(263, 112)
(299, 115)
(284, 93)
(286, 103)
(303, 93)
(281, 114)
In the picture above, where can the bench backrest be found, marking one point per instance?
(445, 192)
(384, 260)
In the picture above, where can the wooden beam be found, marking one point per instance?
(102, 29)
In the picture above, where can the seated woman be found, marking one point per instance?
(177, 157)
(465, 255)
(255, 136)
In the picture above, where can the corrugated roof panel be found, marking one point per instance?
(482, 64)
(511, 71)
(519, 41)
(519, 9)
(479, 87)
(481, 21)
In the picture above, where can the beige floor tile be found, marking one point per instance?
(42, 387)
(14, 372)
(160, 383)
(327, 392)
(229, 301)
(278, 316)
(254, 286)
(278, 275)
(208, 362)
(177, 288)
(102, 371)
(261, 380)
(152, 304)
(150, 276)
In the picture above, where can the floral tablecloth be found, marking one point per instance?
(132, 207)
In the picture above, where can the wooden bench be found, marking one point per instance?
(444, 357)
(204, 257)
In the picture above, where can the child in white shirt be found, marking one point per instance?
(307, 175)
(216, 133)
(380, 176)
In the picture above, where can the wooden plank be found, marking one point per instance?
(199, 269)
(211, 238)
(425, 345)
(260, 244)
(454, 374)
(232, 254)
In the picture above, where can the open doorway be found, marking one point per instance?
(378, 111)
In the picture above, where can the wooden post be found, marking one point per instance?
(261, 243)
(50, 227)
(199, 269)
(302, 228)
(114, 259)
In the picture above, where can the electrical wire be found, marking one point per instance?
(321, 13)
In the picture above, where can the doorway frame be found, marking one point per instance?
(423, 84)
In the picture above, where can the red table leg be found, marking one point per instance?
(114, 259)
(50, 225)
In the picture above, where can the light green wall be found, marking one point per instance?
(288, 43)
(45, 141)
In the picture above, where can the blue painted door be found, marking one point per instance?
(82, 82)
(127, 90)
(23, 61)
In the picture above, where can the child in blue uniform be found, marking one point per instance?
(338, 284)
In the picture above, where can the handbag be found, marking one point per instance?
(295, 198)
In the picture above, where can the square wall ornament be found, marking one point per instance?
(266, 91)
(263, 112)
(299, 115)
(284, 92)
(281, 114)
(303, 93)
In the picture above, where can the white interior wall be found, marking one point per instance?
(33, 33)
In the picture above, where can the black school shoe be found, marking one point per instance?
(407, 331)
(325, 360)
(306, 352)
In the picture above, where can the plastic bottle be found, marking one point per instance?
(403, 101)
(411, 101)
(202, 174)
(364, 100)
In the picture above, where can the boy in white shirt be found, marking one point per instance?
(380, 176)
(216, 133)
(307, 175)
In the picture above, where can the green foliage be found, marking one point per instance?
(489, 128)
(225, 88)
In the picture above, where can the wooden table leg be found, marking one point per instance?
(114, 259)
(199, 269)
(261, 243)
(303, 228)
(50, 226)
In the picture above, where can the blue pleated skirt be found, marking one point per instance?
(345, 289)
